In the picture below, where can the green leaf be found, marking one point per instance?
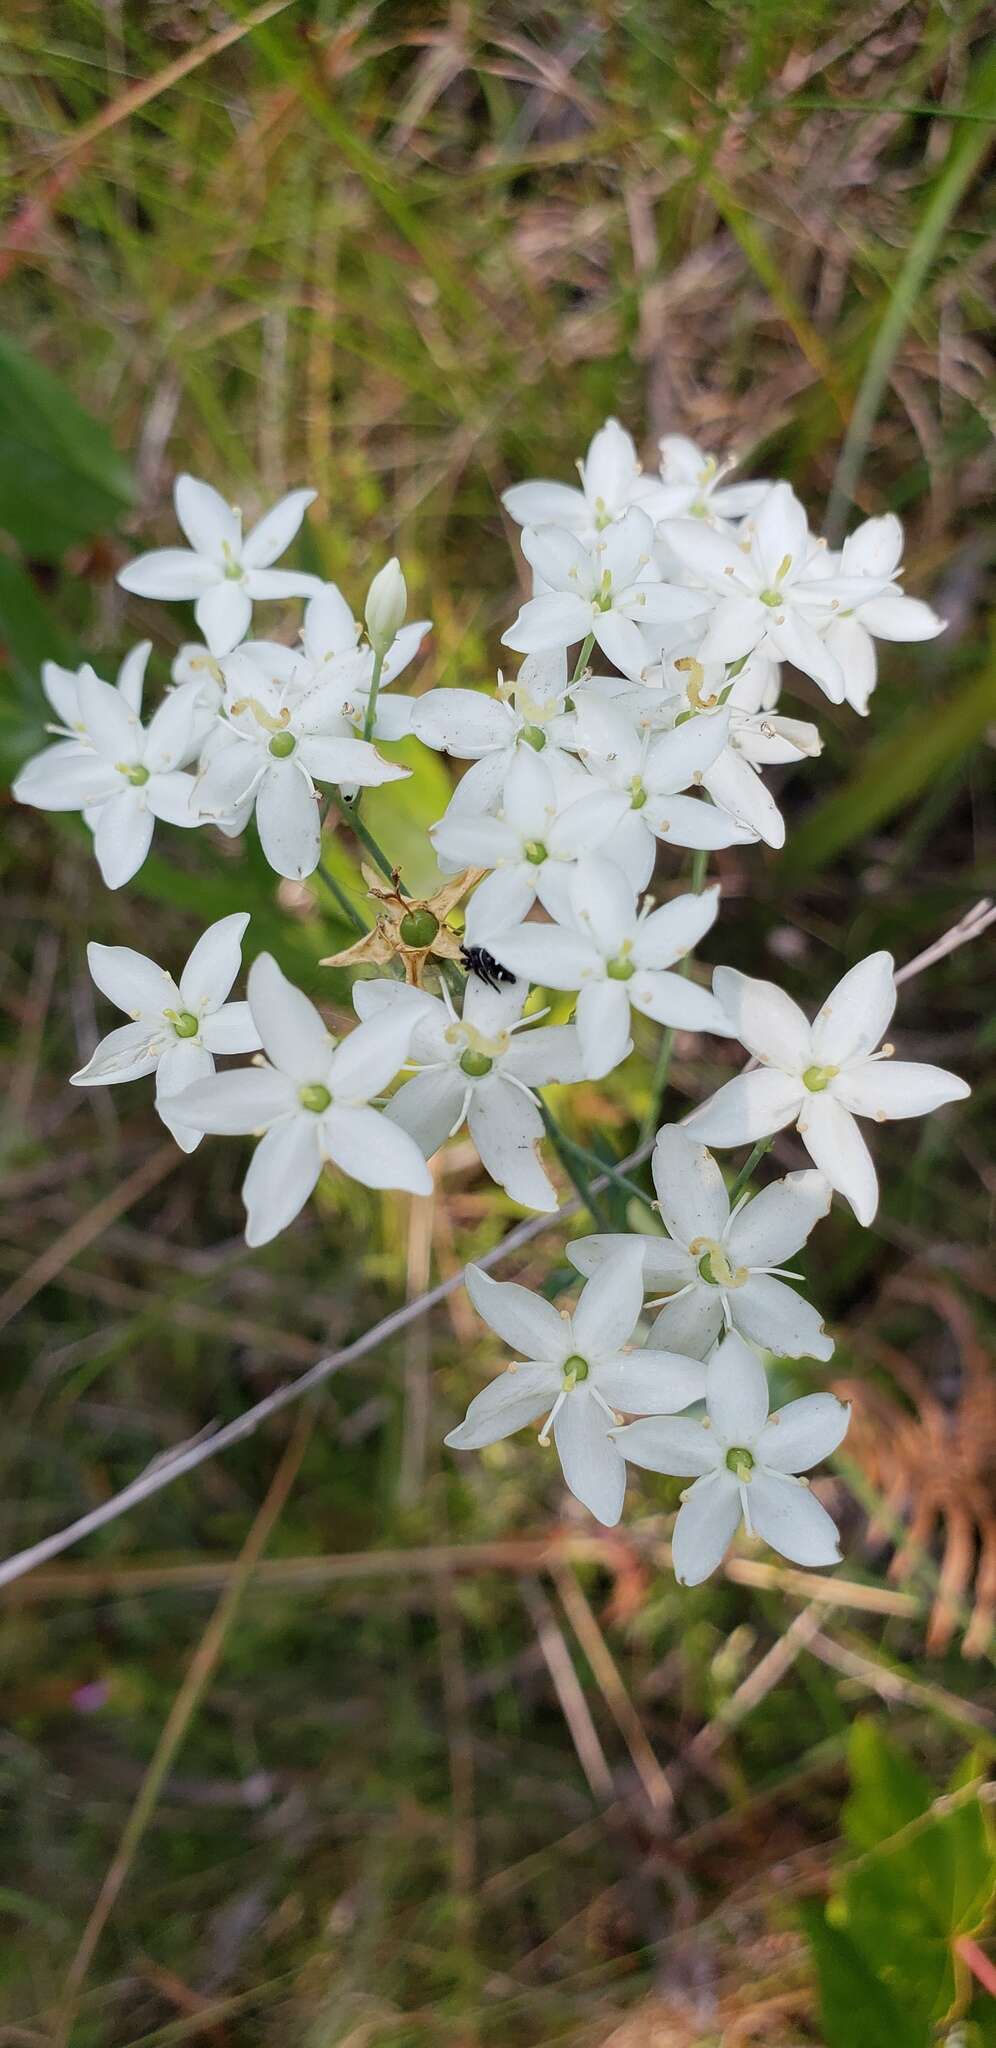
(61, 478)
(28, 636)
(887, 1790)
(856, 2009)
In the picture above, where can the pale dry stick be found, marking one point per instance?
(971, 926)
(415, 1374)
(198, 1676)
(85, 1229)
(168, 1469)
(567, 1686)
(894, 1686)
(652, 1777)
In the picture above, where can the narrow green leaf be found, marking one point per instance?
(61, 478)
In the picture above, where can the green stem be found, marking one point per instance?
(763, 1145)
(605, 1166)
(571, 1159)
(582, 660)
(371, 713)
(358, 923)
(700, 862)
(351, 816)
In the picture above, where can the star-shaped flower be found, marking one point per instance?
(221, 569)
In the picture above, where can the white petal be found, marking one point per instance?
(593, 1467)
(115, 731)
(885, 1089)
(501, 900)
(771, 1228)
(734, 629)
(471, 840)
(171, 797)
(706, 1525)
(329, 626)
(803, 1433)
(558, 557)
(135, 984)
(894, 616)
(780, 528)
(234, 1104)
(590, 822)
(546, 504)
(610, 1304)
(182, 1063)
(507, 1129)
(736, 1393)
(548, 1052)
(672, 999)
(790, 1518)
(122, 836)
(214, 963)
(276, 530)
(224, 615)
(492, 1011)
(672, 1444)
(61, 687)
(603, 1026)
(365, 1145)
(276, 584)
(836, 1146)
(293, 1034)
(66, 777)
(748, 1108)
(665, 1265)
(692, 1322)
(547, 955)
(738, 789)
(282, 1174)
(352, 761)
(230, 1029)
(549, 622)
(765, 1020)
(656, 1382)
(124, 1055)
(676, 759)
(671, 932)
(875, 548)
(427, 1106)
(610, 468)
(621, 641)
(771, 1314)
(169, 573)
(209, 523)
(712, 558)
(604, 905)
(691, 1193)
(853, 650)
(168, 740)
(528, 1324)
(462, 722)
(131, 675)
(856, 1014)
(799, 642)
(288, 820)
(687, 821)
(365, 1063)
(511, 1401)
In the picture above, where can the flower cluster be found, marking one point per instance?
(681, 597)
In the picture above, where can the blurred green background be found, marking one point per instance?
(448, 1765)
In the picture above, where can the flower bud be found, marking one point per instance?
(387, 603)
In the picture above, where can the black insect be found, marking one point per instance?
(485, 966)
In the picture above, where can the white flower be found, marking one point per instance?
(875, 550)
(693, 485)
(386, 605)
(220, 569)
(489, 730)
(531, 847)
(310, 1098)
(821, 1075)
(478, 1069)
(120, 775)
(62, 688)
(611, 481)
(610, 589)
(616, 956)
(720, 1271)
(651, 770)
(176, 1027)
(331, 654)
(584, 1369)
(274, 745)
(745, 1464)
(775, 593)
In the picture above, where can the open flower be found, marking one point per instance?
(610, 589)
(651, 769)
(121, 775)
(774, 592)
(223, 571)
(756, 736)
(331, 653)
(693, 485)
(584, 1369)
(611, 481)
(543, 830)
(311, 1100)
(62, 688)
(617, 956)
(745, 1465)
(528, 712)
(480, 1068)
(176, 1027)
(274, 744)
(723, 1270)
(821, 1076)
(875, 550)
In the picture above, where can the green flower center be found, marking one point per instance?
(637, 793)
(771, 597)
(475, 1065)
(536, 852)
(137, 776)
(740, 1462)
(418, 927)
(575, 1370)
(620, 970)
(714, 1266)
(818, 1078)
(282, 744)
(314, 1096)
(534, 737)
(185, 1024)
